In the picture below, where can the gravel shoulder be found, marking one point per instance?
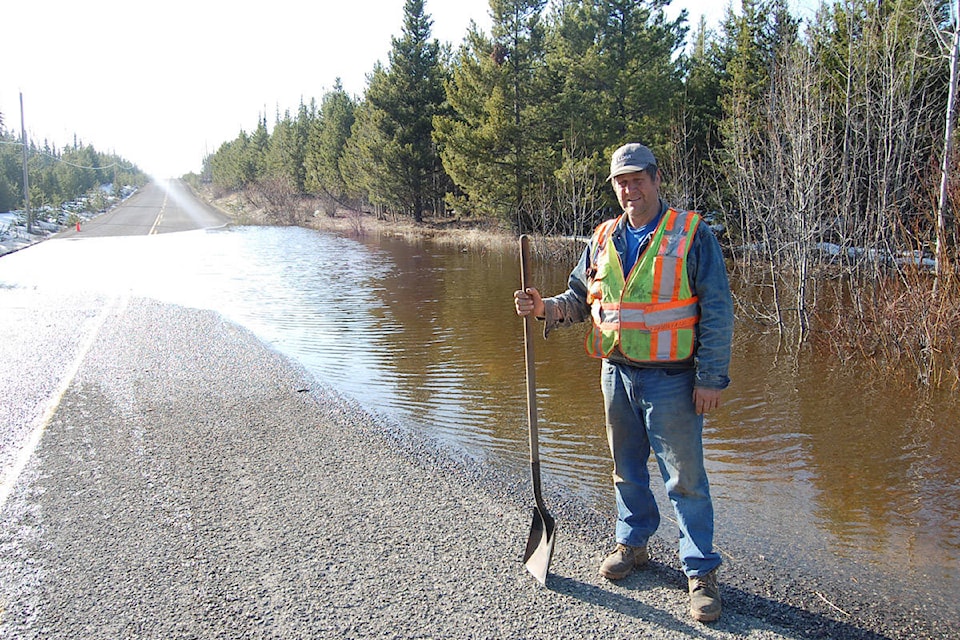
(193, 483)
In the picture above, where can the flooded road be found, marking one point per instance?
(812, 465)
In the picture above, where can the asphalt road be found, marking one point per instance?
(159, 207)
(167, 475)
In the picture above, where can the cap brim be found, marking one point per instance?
(627, 169)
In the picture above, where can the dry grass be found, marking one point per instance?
(464, 234)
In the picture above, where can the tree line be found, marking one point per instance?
(56, 176)
(518, 123)
(822, 150)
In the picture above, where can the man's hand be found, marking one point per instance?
(528, 302)
(706, 399)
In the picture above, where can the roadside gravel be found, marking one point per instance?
(193, 483)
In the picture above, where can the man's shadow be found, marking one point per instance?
(786, 618)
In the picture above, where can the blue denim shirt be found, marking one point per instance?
(707, 272)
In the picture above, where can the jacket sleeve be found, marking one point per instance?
(569, 307)
(708, 280)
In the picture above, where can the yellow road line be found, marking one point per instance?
(153, 229)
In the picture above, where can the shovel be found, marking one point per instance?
(540, 543)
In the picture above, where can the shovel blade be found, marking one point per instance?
(540, 545)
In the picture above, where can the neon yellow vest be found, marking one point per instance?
(649, 313)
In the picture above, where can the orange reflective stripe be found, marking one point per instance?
(657, 278)
(677, 278)
(666, 267)
(671, 219)
(682, 251)
(654, 317)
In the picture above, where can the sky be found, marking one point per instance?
(164, 84)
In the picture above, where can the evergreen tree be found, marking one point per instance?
(750, 47)
(367, 152)
(11, 172)
(255, 160)
(697, 134)
(301, 135)
(640, 80)
(283, 160)
(236, 164)
(495, 147)
(55, 176)
(575, 116)
(617, 77)
(328, 137)
(397, 117)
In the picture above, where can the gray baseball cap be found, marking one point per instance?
(630, 158)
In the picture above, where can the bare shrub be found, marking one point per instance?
(356, 223)
(903, 328)
(277, 198)
(561, 250)
(898, 314)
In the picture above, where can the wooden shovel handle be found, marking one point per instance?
(528, 328)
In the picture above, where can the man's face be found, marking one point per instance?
(638, 195)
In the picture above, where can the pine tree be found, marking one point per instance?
(749, 49)
(368, 153)
(397, 116)
(225, 164)
(239, 162)
(301, 136)
(255, 159)
(10, 169)
(697, 134)
(495, 147)
(328, 137)
(283, 159)
(615, 77)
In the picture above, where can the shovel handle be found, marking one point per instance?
(529, 360)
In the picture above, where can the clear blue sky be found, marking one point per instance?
(163, 84)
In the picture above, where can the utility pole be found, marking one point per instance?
(26, 185)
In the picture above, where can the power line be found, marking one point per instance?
(129, 165)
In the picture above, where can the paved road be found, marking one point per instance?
(159, 207)
(166, 475)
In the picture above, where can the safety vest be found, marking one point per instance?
(650, 313)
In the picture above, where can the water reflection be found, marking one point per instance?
(807, 462)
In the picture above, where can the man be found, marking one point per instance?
(654, 284)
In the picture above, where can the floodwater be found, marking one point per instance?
(811, 464)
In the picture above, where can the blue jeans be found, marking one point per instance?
(648, 408)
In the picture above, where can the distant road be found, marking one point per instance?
(159, 207)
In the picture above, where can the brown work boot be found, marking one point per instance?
(704, 597)
(622, 561)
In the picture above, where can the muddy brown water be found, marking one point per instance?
(812, 465)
